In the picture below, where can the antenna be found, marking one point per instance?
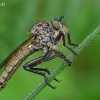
(61, 18)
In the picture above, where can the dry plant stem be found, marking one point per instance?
(63, 64)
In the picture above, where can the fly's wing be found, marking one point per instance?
(7, 59)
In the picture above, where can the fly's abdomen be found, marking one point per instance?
(14, 63)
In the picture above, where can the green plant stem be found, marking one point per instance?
(63, 64)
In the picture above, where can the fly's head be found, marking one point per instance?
(59, 28)
(48, 35)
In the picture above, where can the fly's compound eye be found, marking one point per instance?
(56, 24)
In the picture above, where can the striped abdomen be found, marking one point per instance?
(15, 61)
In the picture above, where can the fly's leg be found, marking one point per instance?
(38, 71)
(64, 57)
(57, 54)
(34, 63)
(69, 42)
(29, 67)
(48, 57)
(39, 60)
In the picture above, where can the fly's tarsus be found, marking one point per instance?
(39, 71)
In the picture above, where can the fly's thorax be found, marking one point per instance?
(43, 34)
(42, 42)
(42, 28)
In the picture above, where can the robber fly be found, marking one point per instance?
(43, 36)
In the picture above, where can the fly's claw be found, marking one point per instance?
(75, 53)
(76, 45)
(69, 64)
(69, 61)
(54, 87)
(57, 80)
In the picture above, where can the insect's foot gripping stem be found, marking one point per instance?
(37, 71)
(46, 80)
(73, 44)
(71, 50)
(76, 45)
(61, 55)
(57, 80)
(48, 72)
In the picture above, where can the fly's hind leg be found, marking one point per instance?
(39, 60)
(38, 71)
(29, 67)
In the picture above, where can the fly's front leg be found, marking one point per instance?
(69, 42)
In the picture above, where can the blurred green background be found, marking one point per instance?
(81, 81)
